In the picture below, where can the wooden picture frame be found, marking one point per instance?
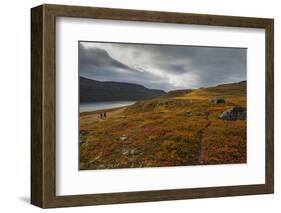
(43, 105)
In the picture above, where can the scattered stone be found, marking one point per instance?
(134, 152)
(84, 135)
(130, 152)
(95, 159)
(217, 100)
(123, 138)
(234, 113)
(125, 152)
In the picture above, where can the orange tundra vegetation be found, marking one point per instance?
(177, 129)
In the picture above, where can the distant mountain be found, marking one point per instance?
(95, 91)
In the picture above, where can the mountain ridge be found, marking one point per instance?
(95, 91)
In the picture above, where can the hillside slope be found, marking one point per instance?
(178, 129)
(94, 91)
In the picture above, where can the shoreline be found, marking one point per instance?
(101, 111)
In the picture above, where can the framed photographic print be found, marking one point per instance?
(137, 106)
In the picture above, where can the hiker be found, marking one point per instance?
(101, 115)
(104, 114)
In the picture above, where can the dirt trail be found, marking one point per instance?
(201, 149)
(95, 116)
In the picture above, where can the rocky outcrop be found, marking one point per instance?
(234, 113)
(217, 100)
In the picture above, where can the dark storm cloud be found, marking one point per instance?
(162, 66)
(97, 64)
(98, 58)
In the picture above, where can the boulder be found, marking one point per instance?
(217, 100)
(234, 113)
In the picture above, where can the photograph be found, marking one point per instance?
(161, 105)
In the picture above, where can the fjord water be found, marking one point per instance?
(93, 106)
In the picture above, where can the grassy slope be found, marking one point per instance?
(179, 128)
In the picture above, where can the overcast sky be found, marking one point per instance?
(163, 67)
